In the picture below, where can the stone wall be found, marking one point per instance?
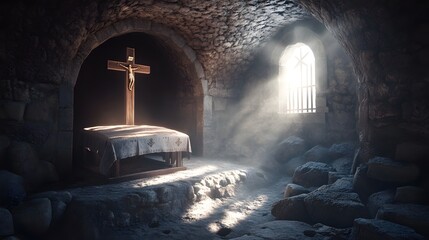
(388, 42)
(47, 42)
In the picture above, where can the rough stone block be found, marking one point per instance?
(199, 69)
(375, 229)
(294, 190)
(12, 110)
(412, 152)
(410, 194)
(378, 199)
(336, 209)
(312, 174)
(411, 215)
(387, 170)
(190, 53)
(291, 208)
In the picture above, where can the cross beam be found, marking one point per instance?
(130, 67)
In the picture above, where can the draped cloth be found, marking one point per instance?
(116, 142)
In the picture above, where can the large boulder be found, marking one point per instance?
(411, 215)
(6, 223)
(312, 174)
(318, 154)
(291, 208)
(336, 209)
(375, 229)
(378, 199)
(33, 217)
(12, 191)
(288, 148)
(387, 170)
(344, 184)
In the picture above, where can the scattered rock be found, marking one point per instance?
(318, 154)
(6, 223)
(123, 219)
(410, 194)
(286, 230)
(294, 189)
(33, 217)
(365, 186)
(411, 215)
(289, 148)
(411, 152)
(336, 209)
(378, 199)
(292, 208)
(312, 174)
(342, 149)
(332, 233)
(12, 191)
(292, 164)
(387, 170)
(343, 165)
(375, 229)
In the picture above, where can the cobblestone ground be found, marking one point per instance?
(218, 218)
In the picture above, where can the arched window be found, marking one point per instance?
(297, 80)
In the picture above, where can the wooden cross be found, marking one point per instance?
(130, 68)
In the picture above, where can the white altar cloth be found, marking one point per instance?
(116, 142)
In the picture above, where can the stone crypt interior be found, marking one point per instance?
(307, 119)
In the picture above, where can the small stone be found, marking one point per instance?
(280, 229)
(224, 231)
(387, 170)
(312, 174)
(378, 199)
(375, 229)
(33, 217)
(410, 194)
(6, 223)
(294, 189)
(12, 191)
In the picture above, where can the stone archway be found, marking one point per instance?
(175, 42)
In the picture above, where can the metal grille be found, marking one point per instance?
(297, 81)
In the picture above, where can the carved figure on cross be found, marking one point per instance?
(131, 68)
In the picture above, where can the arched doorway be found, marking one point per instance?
(174, 100)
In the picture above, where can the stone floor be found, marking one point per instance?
(226, 199)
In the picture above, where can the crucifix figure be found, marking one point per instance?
(131, 68)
